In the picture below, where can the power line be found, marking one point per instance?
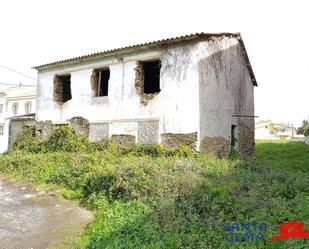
(15, 71)
(12, 84)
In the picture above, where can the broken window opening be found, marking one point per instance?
(62, 88)
(101, 79)
(151, 71)
(234, 136)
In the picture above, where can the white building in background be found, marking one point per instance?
(269, 130)
(17, 101)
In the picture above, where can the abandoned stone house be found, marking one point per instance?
(196, 90)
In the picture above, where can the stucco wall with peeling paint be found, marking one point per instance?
(225, 90)
(202, 84)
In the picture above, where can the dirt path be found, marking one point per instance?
(33, 219)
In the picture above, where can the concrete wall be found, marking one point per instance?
(225, 90)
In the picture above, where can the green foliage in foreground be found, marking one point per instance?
(152, 197)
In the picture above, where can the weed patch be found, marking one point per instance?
(148, 196)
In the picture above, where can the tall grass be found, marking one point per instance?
(153, 197)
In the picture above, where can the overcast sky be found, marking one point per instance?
(275, 33)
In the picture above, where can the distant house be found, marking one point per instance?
(15, 102)
(196, 90)
(269, 130)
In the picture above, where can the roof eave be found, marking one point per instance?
(132, 48)
(150, 45)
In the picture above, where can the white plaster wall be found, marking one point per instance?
(225, 87)
(202, 85)
(176, 106)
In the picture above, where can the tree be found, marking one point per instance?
(301, 129)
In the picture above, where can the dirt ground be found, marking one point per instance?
(32, 218)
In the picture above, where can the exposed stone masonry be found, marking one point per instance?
(124, 140)
(246, 142)
(139, 85)
(217, 146)
(80, 126)
(176, 140)
(44, 129)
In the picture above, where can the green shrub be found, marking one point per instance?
(149, 196)
(62, 139)
(157, 150)
(26, 141)
(306, 130)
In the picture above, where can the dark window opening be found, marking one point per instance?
(151, 71)
(233, 136)
(62, 88)
(101, 79)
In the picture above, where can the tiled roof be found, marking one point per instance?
(144, 46)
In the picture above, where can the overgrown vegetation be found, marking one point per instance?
(153, 197)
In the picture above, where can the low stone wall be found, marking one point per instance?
(80, 126)
(147, 133)
(43, 129)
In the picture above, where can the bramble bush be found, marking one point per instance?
(63, 139)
